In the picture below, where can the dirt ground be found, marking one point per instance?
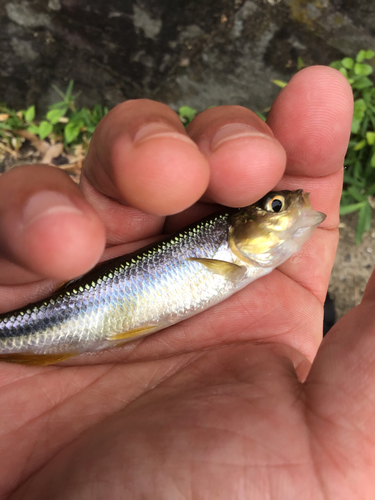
(353, 266)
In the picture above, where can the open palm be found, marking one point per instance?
(217, 406)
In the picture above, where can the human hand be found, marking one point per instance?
(213, 407)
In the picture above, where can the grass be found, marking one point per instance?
(359, 175)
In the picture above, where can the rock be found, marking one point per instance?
(181, 52)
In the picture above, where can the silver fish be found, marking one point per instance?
(159, 285)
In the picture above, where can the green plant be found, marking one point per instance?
(186, 114)
(62, 123)
(9, 120)
(359, 175)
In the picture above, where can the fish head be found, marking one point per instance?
(272, 229)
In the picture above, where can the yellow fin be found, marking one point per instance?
(136, 332)
(226, 269)
(36, 359)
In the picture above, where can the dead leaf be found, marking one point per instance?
(41, 146)
(52, 152)
(3, 117)
(8, 150)
(73, 169)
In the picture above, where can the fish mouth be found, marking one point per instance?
(310, 218)
(307, 222)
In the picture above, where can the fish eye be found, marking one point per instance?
(275, 204)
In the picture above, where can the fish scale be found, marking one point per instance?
(159, 285)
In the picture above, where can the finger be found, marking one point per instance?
(340, 390)
(46, 226)
(141, 156)
(123, 223)
(245, 159)
(311, 118)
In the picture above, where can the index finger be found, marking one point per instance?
(312, 118)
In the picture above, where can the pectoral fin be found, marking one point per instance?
(226, 269)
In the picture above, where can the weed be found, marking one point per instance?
(359, 175)
(186, 114)
(62, 123)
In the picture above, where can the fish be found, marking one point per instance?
(161, 284)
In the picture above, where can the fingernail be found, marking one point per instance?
(234, 131)
(46, 203)
(155, 130)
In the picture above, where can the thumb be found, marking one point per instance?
(47, 229)
(341, 394)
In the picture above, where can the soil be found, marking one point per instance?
(353, 266)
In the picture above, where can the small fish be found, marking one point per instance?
(161, 284)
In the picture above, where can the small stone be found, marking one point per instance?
(185, 62)
(54, 5)
(369, 250)
(347, 257)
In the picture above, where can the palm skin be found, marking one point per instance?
(225, 405)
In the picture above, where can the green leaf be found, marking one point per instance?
(336, 65)
(68, 98)
(369, 217)
(347, 62)
(362, 83)
(370, 138)
(372, 161)
(356, 194)
(360, 145)
(186, 114)
(344, 72)
(369, 54)
(360, 56)
(5, 126)
(261, 115)
(364, 219)
(45, 128)
(90, 128)
(54, 115)
(33, 129)
(362, 69)
(57, 105)
(359, 109)
(355, 126)
(72, 131)
(30, 114)
(87, 117)
(69, 90)
(280, 83)
(347, 209)
(14, 122)
(300, 63)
